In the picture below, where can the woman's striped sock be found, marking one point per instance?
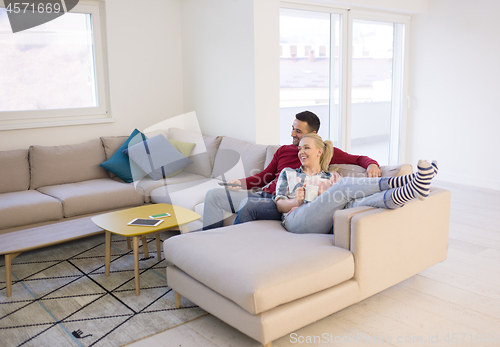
(399, 181)
(418, 187)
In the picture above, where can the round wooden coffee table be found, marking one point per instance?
(116, 223)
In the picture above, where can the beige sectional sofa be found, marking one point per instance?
(257, 277)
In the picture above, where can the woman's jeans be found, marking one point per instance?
(317, 216)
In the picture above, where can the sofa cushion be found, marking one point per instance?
(357, 171)
(350, 170)
(94, 196)
(66, 164)
(396, 170)
(119, 163)
(187, 194)
(203, 154)
(157, 157)
(146, 185)
(28, 207)
(250, 162)
(271, 149)
(111, 144)
(14, 171)
(185, 148)
(259, 265)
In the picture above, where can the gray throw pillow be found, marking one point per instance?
(158, 157)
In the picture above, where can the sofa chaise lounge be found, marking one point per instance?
(267, 282)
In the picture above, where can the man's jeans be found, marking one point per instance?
(317, 216)
(263, 208)
(222, 199)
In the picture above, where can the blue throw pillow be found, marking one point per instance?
(119, 163)
(158, 157)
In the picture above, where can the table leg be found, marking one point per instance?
(145, 247)
(178, 298)
(184, 229)
(129, 245)
(136, 264)
(107, 258)
(8, 272)
(158, 246)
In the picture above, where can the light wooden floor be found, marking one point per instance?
(454, 303)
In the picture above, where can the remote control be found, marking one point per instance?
(229, 184)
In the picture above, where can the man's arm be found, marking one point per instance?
(371, 166)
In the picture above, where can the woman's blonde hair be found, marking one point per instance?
(327, 146)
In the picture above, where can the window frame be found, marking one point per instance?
(11, 120)
(398, 127)
(397, 149)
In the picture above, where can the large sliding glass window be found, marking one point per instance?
(310, 75)
(348, 68)
(376, 89)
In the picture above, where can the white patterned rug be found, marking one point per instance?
(61, 297)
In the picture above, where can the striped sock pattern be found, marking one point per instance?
(419, 186)
(399, 181)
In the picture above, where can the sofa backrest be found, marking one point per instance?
(345, 170)
(271, 149)
(66, 164)
(203, 154)
(111, 144)
(251, 161)
(14, 171)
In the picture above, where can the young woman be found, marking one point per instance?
(337, 193)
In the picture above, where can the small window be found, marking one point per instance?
(55, 73)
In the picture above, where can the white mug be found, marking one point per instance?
(311, 192)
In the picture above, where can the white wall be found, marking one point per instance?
(267, 71)
(455, 86)
(219, 65)
(231, 67)
(145, 73)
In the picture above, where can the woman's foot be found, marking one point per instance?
(399, 181)
(422, 181)
(419, 186)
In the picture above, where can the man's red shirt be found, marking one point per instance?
(288, 156)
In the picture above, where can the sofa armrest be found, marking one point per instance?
(390, 246)
(342, 225)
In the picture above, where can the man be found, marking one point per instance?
(260, 205)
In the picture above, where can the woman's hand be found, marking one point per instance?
(300, 194)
